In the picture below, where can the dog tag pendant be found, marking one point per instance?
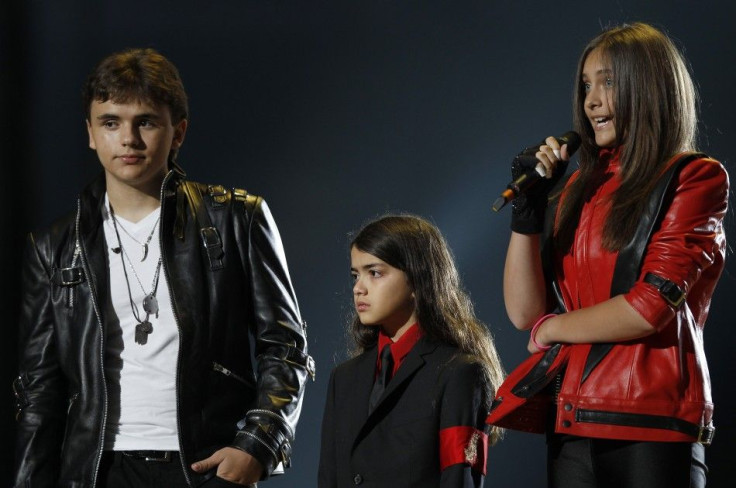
(141, 332)
(150, 305)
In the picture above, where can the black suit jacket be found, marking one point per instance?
(398, 445)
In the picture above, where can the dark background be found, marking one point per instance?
(338, 111)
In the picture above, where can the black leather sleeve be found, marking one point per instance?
(267, 431)
(39, 387)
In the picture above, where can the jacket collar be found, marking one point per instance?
(91, 199)
(89, 233)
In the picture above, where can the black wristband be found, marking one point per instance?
(527, 215)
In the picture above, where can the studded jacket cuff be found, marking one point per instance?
(267, 437)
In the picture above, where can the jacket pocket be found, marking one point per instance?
(249, 382)
(70, 420)
(72, 400)
(21, 400)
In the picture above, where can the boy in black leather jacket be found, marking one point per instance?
(139, 308)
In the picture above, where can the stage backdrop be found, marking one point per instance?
(338, 112)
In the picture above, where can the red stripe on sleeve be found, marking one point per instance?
(463, 444)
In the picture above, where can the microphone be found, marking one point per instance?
(527, 159)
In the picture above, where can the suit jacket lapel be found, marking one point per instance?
(413, 362)
(356, 402)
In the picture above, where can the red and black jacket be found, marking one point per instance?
(656, 388)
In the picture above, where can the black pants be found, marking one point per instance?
(120, 471)
(581, 462)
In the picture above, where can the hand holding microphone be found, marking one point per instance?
(537, 162)
(535, 171)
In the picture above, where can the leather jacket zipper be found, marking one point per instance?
(178, 327)
(222, 369)
(95, 306)
(21, 399)
(75, 258)
(72, 400)
(558, 386)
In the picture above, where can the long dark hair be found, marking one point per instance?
(444, 310)
(655, 117)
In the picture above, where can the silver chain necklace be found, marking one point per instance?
(144, 245)
(150, 303)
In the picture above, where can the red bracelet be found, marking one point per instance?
(534, 331)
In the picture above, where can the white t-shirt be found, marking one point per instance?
(141, 378)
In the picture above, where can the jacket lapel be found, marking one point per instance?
(356, 401)
(91, 237)
(413, 361)
(411, 364)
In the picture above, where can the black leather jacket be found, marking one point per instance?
(231, 294)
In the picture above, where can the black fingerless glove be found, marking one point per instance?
(529, 207)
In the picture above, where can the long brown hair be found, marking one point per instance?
(655, 118)
(444, 310)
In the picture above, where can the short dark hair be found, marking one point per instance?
(137, 75)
